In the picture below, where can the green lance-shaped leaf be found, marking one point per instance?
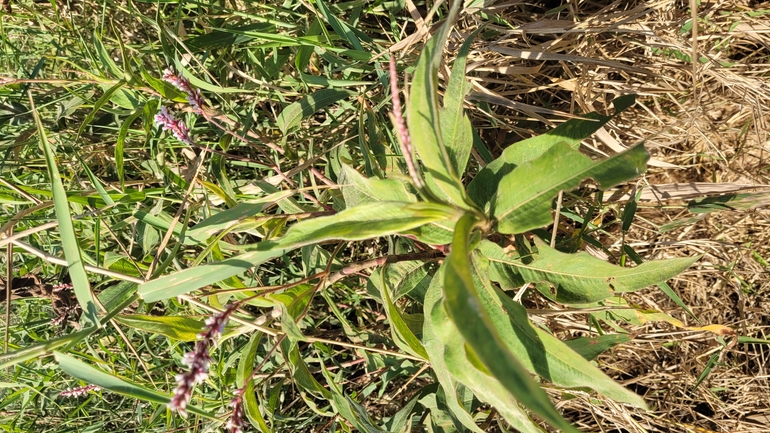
(403, 335)
(357, 189)
(231, 217)
(69, 240)
(484, 343)
(446, 350)
(94, 376)
(424, 125)
(523, 199)
(537, 350)
(174, 327)
(580, 278)
(591, 347)
(484, 186)
(292, 115)
(456, 129)
(357, 223)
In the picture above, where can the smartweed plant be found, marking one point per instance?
(461, 256)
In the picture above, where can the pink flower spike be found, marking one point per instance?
(198, 360)
(76, 392)
(194, 96)
(168, 122)
(236, 423)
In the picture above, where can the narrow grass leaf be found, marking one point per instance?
(92, 375)
(108, 94)
(226, 219)
(108, 65)
(69, 240)
(245, 365)
(349, 409)
(523, 200)
(37, 350)
(120, 144)
(466, 311)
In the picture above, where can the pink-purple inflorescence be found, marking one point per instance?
(170, 123)
(77, 392)
(166, 120)
(194, 96)
(236, 422)
(198, 360)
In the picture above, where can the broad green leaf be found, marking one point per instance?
(357, 189)
(174, 327)
(591, 347)
(166, 89)
(424, 124)
(292, 115)
(456, 129)
(404, 277)
(581, 278)
(366, 221)
(294, 299)
(69, 239)
(231, 217)
(81, 370)
(446, 350)
(483, 340)
(436, 233)
(484, 186)
(402, 334)
(663, 286)
(523, 200)
(358, 223)
(537, 350)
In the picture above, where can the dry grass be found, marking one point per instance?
(707, 123)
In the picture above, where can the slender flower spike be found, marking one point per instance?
(404, 140)
(194, 96)
(168, 122)
(198, 360)
(77, 392)
(236, 423)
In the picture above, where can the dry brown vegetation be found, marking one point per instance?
(707, 128)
